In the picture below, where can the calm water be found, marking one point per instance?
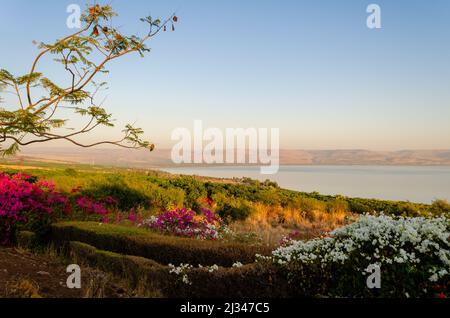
(416, 184)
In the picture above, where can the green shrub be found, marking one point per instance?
(26, 239)
(158, 247)
(337, 206)
(412, 253)
(440, 207)
(309, 205)
(70, 172)
(234, 209)
(254, 280)
(165, 198)
(359, 207)
(126, 197)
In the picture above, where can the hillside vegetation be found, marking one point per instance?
(175, 236)
(256, 209)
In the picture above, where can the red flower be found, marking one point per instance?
(436, 287)
(441, 296)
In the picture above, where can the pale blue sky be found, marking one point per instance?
(311, 68)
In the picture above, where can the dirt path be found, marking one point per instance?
(23, 274)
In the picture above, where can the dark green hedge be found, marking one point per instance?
(249, 281)
(161, 248)
(26, 239)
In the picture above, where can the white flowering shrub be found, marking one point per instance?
(182, 272)
(413, 255)
(237, 265)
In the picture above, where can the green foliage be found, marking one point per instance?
(232, 210)
(26, 239)
(158, 247)
(83, 55)
(126, 197)
(249, 281)
(440, 207)
(70, 172)
(412, 254)
(234, 200)
(337, 206)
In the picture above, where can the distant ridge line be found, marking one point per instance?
(161, 157)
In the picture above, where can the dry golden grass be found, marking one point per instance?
(23, 289)
(271, 224)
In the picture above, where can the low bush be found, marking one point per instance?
(232, 209)
(141, 273)
(28, 203)
(186, 223)
(161, 248)
(440, 206)
(27, 239)
(126, 197)
(412, 253)
(235, 212)
(248, 281)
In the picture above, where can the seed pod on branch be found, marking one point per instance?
(95, 31)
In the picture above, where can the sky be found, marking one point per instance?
(311, 68)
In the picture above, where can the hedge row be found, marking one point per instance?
(161, 248)
(26, 239)
(249, 281)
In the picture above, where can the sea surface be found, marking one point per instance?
(406, 183)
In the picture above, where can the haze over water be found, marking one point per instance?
(406, 183)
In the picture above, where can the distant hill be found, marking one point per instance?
(365, 157)
(161, 157)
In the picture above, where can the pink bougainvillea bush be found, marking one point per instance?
(34, 204)
(23, 201)
(186, 223)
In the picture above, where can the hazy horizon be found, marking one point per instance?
(65, 146)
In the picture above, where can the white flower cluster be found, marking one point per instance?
(210, 269)
(262, 258)
(209, 231)
(181, 271)
(213, 268)
(379, 240)
(237, 265)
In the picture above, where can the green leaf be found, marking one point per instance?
(30, 78)
(11, 150)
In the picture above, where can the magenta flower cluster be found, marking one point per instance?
(291, 237)
(90, 206)
(186, 223)
(20, 199)
(25, 201)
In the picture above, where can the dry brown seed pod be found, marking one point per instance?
(95, 31)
